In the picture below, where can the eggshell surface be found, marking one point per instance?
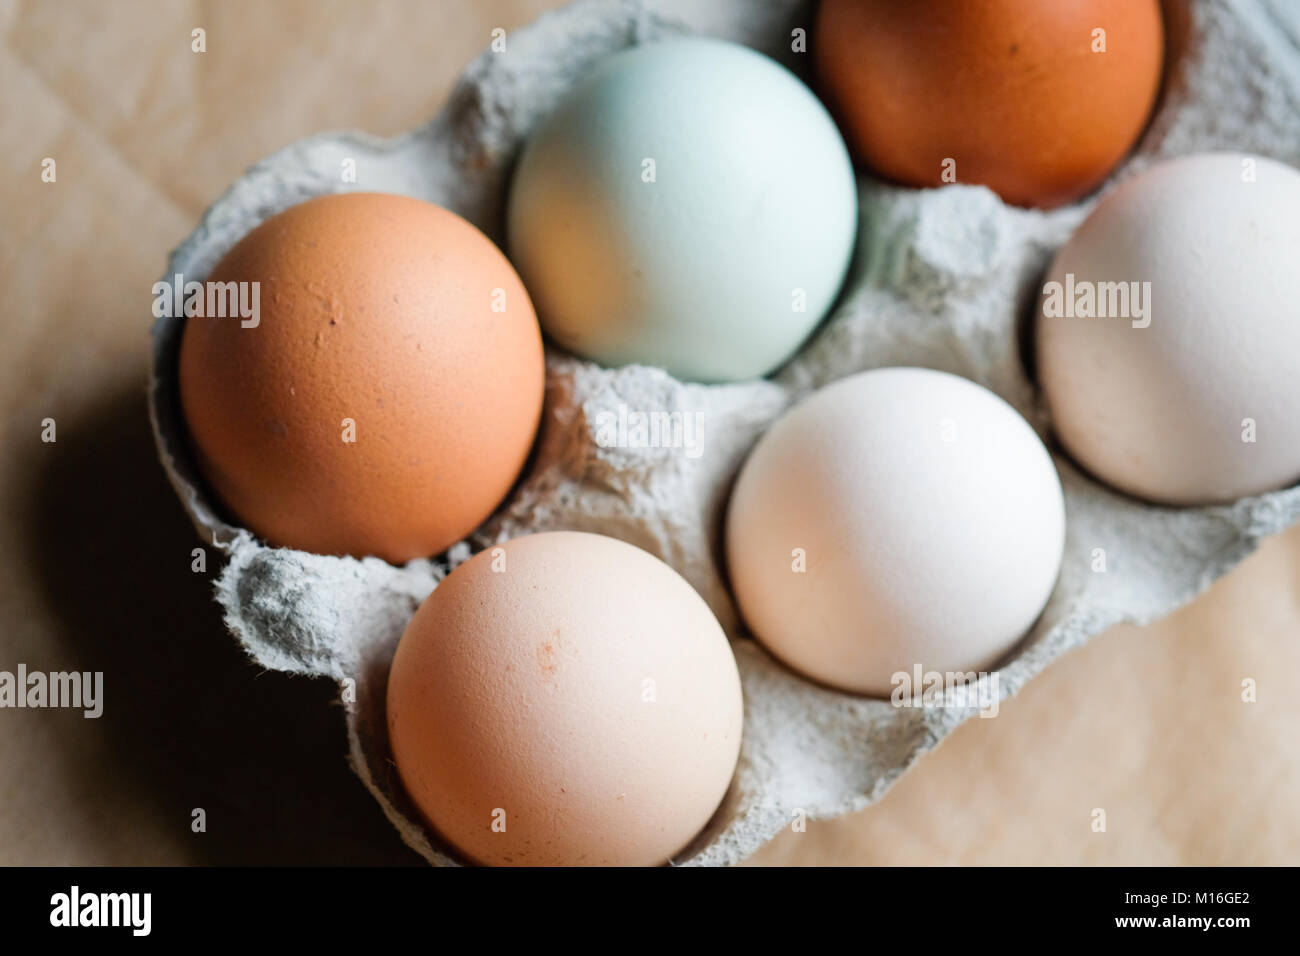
(390, 391)
(1036, 99)
(1197, 400)
(565, 699)
(689, 205)
(896, 517)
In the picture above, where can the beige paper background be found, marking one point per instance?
(1146, 723)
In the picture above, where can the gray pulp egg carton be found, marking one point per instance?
(941, 278)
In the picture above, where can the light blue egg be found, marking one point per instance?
(689, 205)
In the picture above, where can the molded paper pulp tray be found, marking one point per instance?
(942, 278)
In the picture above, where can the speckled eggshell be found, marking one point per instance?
(689, 205)
(893, 518)
(378, 309)
(1202, 404)
(574, 691)
(1016, 95)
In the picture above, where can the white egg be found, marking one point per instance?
(895, 518)
(1191, 393)
(689, 205)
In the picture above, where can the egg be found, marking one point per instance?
(1036, 99)
(387, 395)
(689, 205)
(563, 699)
(895, 518)
(1168, 338)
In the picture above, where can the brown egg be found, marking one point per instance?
(1036, 99)
(387, 396)
(565, 699)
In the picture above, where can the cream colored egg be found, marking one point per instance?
(1169, 334)
(565, 699)
(895, 518)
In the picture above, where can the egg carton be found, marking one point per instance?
(941, 278)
